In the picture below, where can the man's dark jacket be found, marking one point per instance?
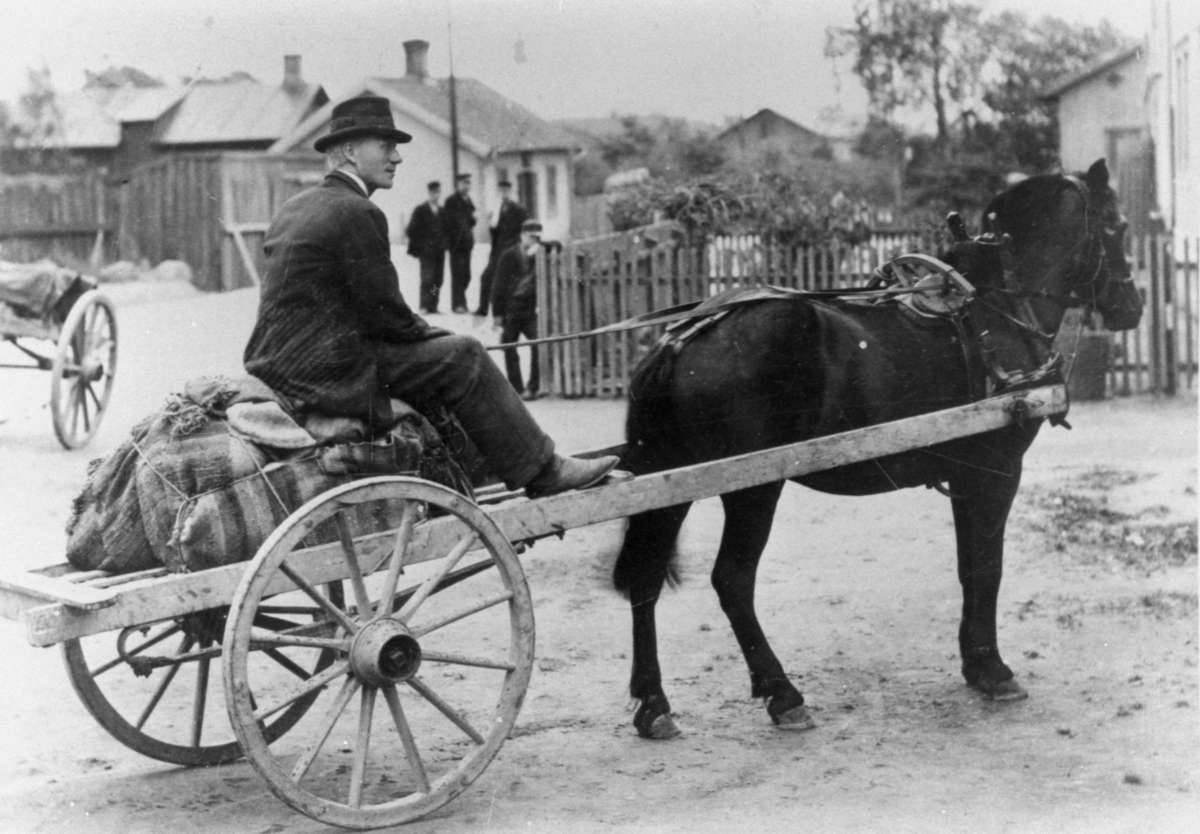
(515, 291)
(458, 222)
(424, 232)
(508, 225)
(329, 298)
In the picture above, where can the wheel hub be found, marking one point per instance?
(384, 652)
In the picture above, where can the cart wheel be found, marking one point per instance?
(82, 374)
(149, 685)
(467, 630)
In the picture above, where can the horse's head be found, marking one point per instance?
(1111, 291)
(1068, 239)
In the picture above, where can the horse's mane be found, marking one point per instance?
(1025, 209)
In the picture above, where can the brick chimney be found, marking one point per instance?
(415, 55)
(292, 80)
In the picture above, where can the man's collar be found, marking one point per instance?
(353, 178)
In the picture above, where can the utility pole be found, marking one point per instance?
(453, 100)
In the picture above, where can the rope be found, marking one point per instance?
(161, 476)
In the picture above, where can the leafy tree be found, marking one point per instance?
(31, 137)
(910, 54)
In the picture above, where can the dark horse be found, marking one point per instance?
(780, 371)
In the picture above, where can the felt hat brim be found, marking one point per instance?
(399, 136)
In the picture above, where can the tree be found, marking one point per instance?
(913, 54)
(32, 137)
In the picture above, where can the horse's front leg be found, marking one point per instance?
(748, 518)
(980, 517)
(642, 568)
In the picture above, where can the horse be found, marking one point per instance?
(775, 372)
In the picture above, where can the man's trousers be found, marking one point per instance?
(456, 372)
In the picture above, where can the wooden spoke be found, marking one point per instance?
(260, 640)
(445, 709)
(392, 697)
(200, 700)
(277, 624)
(356, 577)
(312, 684)
(315, 595)
(430, 584)
(184, 648)
(287, 663)
(362, 746)
(465, 660)
(467, 611)
(119, 659)
(399, 553)
(309, 755)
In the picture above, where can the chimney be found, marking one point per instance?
(292, 82)
(415, 54)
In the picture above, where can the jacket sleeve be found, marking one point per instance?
(380, 310)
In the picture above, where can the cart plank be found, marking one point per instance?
(520, 519)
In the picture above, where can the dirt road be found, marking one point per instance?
(1098, 618)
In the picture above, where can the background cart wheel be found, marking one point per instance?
(149, 686)
(82, 373)
(428, 674)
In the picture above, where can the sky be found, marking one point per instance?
(706, 60)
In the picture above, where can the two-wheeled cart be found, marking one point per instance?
(60, 322)
(432, 618)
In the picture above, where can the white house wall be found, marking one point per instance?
(1113, 99)
(1173, 100)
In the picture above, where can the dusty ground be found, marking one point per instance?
(1098, 617)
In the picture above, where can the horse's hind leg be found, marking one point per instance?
(980, 517)
(641, 569)
(748, 517)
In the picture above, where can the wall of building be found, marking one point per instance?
(1112, 99)
(1173, 101)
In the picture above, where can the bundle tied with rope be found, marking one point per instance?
(206, 479)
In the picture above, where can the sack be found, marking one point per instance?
(189, 491)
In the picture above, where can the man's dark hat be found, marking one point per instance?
(531, 226)
(504, 184)
(463, 177)
(434, 186)
(361, 116)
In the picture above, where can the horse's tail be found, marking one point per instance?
(648, 551)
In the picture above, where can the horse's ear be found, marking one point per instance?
(1097, 175)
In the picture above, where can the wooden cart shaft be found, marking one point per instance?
(58, 604)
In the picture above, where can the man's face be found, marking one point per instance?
(464, 186)
(530, 240)
(435, 194)
(375, 160)
(505, 193)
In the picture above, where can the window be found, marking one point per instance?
(501, 174)
(552, 191)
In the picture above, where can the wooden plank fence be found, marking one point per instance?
(600, 281)
(64, 217)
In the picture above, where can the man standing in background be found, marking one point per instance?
(505, 226)
(458, 224)
(427, 243)
(514, 303)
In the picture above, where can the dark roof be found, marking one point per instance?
(483, 114)
(766, 114)
(1113, 59)
(242, 111)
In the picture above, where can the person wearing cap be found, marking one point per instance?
(334, 335)
(505, 226)
(458, 223)
(514, 304)
(427, 244)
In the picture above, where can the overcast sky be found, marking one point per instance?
(702, 59)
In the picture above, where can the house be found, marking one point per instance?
(120, 121)
(497, 139)
(767, 134)
(1173, 100)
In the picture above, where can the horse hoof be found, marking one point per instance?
(796, 718)
(1008, 690)
(661, 729)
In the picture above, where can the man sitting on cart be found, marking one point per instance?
(335, 336)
